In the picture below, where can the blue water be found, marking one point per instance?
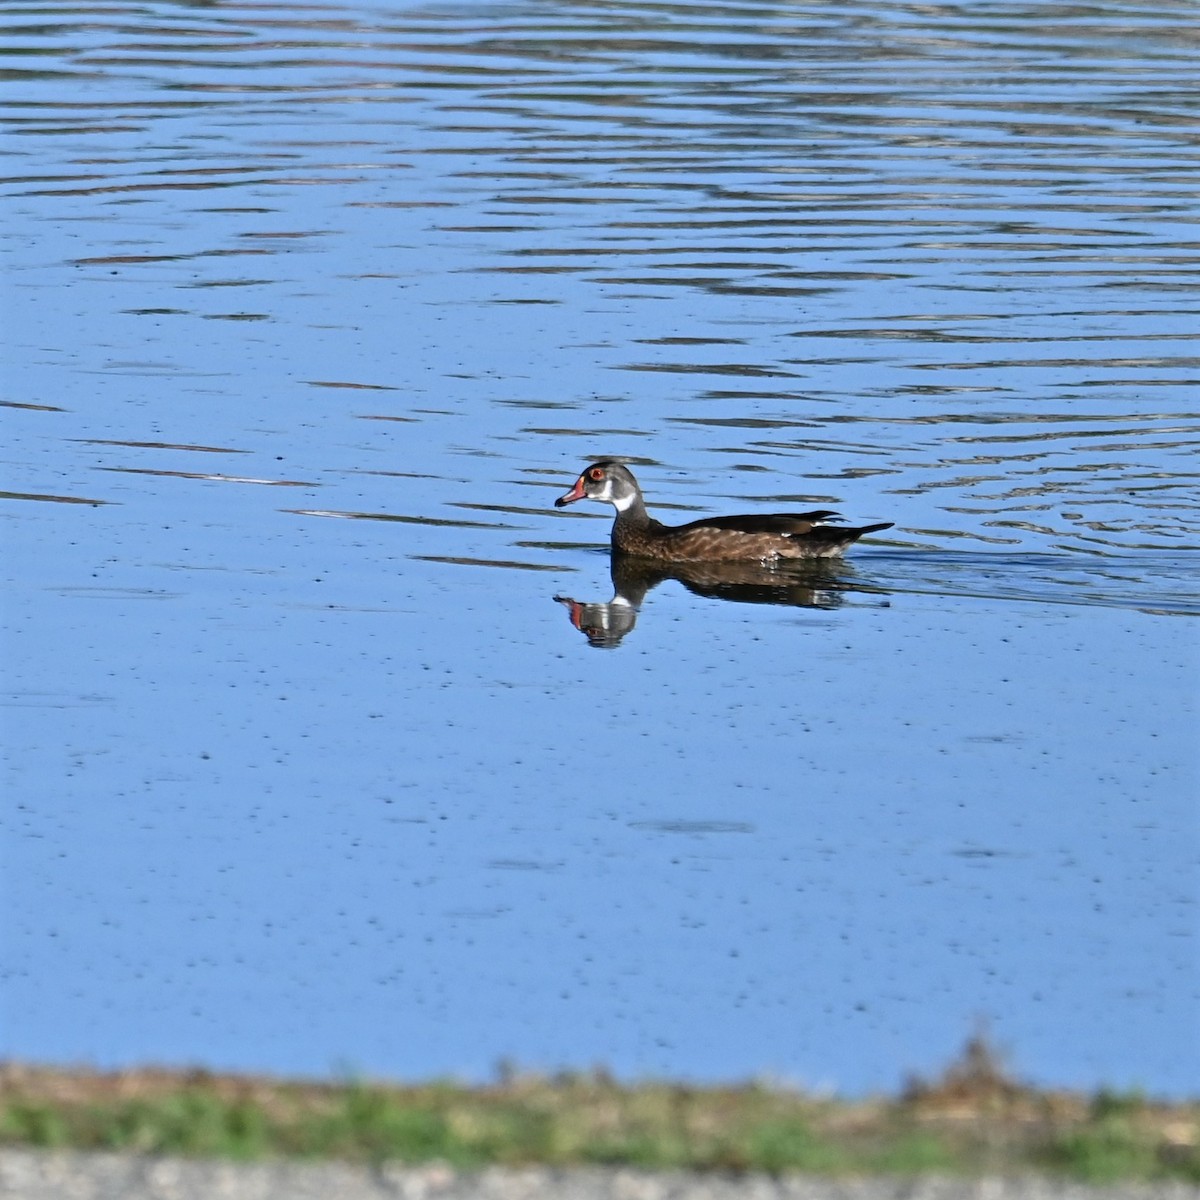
(309, 314)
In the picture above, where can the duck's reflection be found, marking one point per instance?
(820, 583)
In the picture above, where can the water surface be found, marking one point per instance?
(311, 311)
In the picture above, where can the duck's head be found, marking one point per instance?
(608, 481)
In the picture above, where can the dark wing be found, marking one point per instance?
(838, 535)
(778, 523)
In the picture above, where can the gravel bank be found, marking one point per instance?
(42, 1175)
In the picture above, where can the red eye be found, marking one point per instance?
(596, 473)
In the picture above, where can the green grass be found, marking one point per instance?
(972, 1120)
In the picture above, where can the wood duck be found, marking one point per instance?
(769, 538)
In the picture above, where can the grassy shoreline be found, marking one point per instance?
(972, 1119)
